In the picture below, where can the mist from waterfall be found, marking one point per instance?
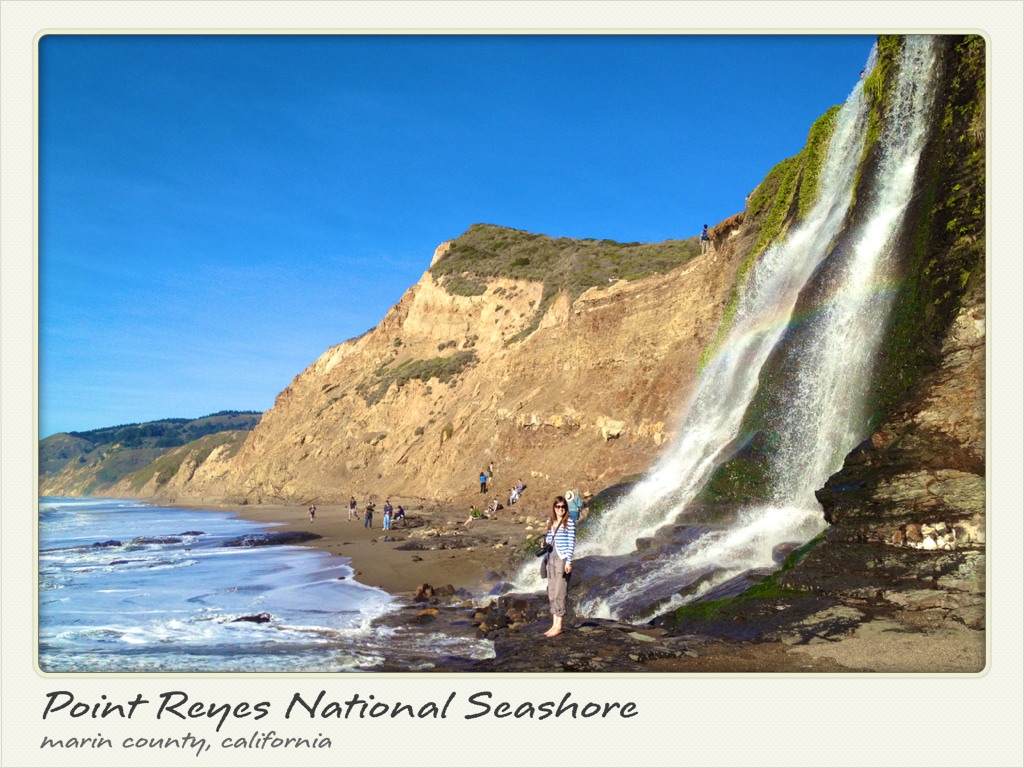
(826, 382)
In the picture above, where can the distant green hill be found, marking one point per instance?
(83, 463)
(169, 433)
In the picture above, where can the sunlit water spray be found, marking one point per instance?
(833, 367)
(826, 393)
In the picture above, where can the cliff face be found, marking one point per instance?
(587, 398)
(908, 508)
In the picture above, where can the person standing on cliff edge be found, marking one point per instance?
(705, 241)
(561, 538)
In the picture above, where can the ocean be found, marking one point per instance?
(130, 587)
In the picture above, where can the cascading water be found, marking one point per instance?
(832, 366)
(828, 376)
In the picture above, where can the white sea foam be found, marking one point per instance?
(180, 606)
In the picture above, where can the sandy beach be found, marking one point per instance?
(437, 548)
(433, 547)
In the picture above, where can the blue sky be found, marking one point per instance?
(216, 211)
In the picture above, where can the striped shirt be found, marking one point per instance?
(564, 540)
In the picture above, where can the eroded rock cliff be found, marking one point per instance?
(447, 384)
(907, 511)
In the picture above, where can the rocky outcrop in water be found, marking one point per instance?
(272, 539)
(255, 618)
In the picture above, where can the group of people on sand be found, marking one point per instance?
(391, 514)
(491, 511)
(557, 550)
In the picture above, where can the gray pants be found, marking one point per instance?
(557, 584)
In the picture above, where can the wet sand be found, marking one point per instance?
(447, 551)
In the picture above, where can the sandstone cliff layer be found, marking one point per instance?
(588, 397)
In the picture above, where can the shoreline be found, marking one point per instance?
(488, 552)
(434, 547)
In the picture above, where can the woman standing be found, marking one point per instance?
(561, 536)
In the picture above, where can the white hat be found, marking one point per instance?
(569, 495)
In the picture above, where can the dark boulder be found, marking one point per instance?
(277, 538)
(156, 540)
(255, 618)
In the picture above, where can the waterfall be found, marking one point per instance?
(827, 367)
(832, 365)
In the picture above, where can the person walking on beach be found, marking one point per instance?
(368, 516)
(483, 482)
(351, 508)
(312, 512)
(561, 537)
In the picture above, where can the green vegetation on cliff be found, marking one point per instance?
(562, 264)
(878, 88)
(878, 85)
(169, 433)
(945, 239)
(938, 257)
(741, 477)
(444, 369)
(786, 195)
(790, 189)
